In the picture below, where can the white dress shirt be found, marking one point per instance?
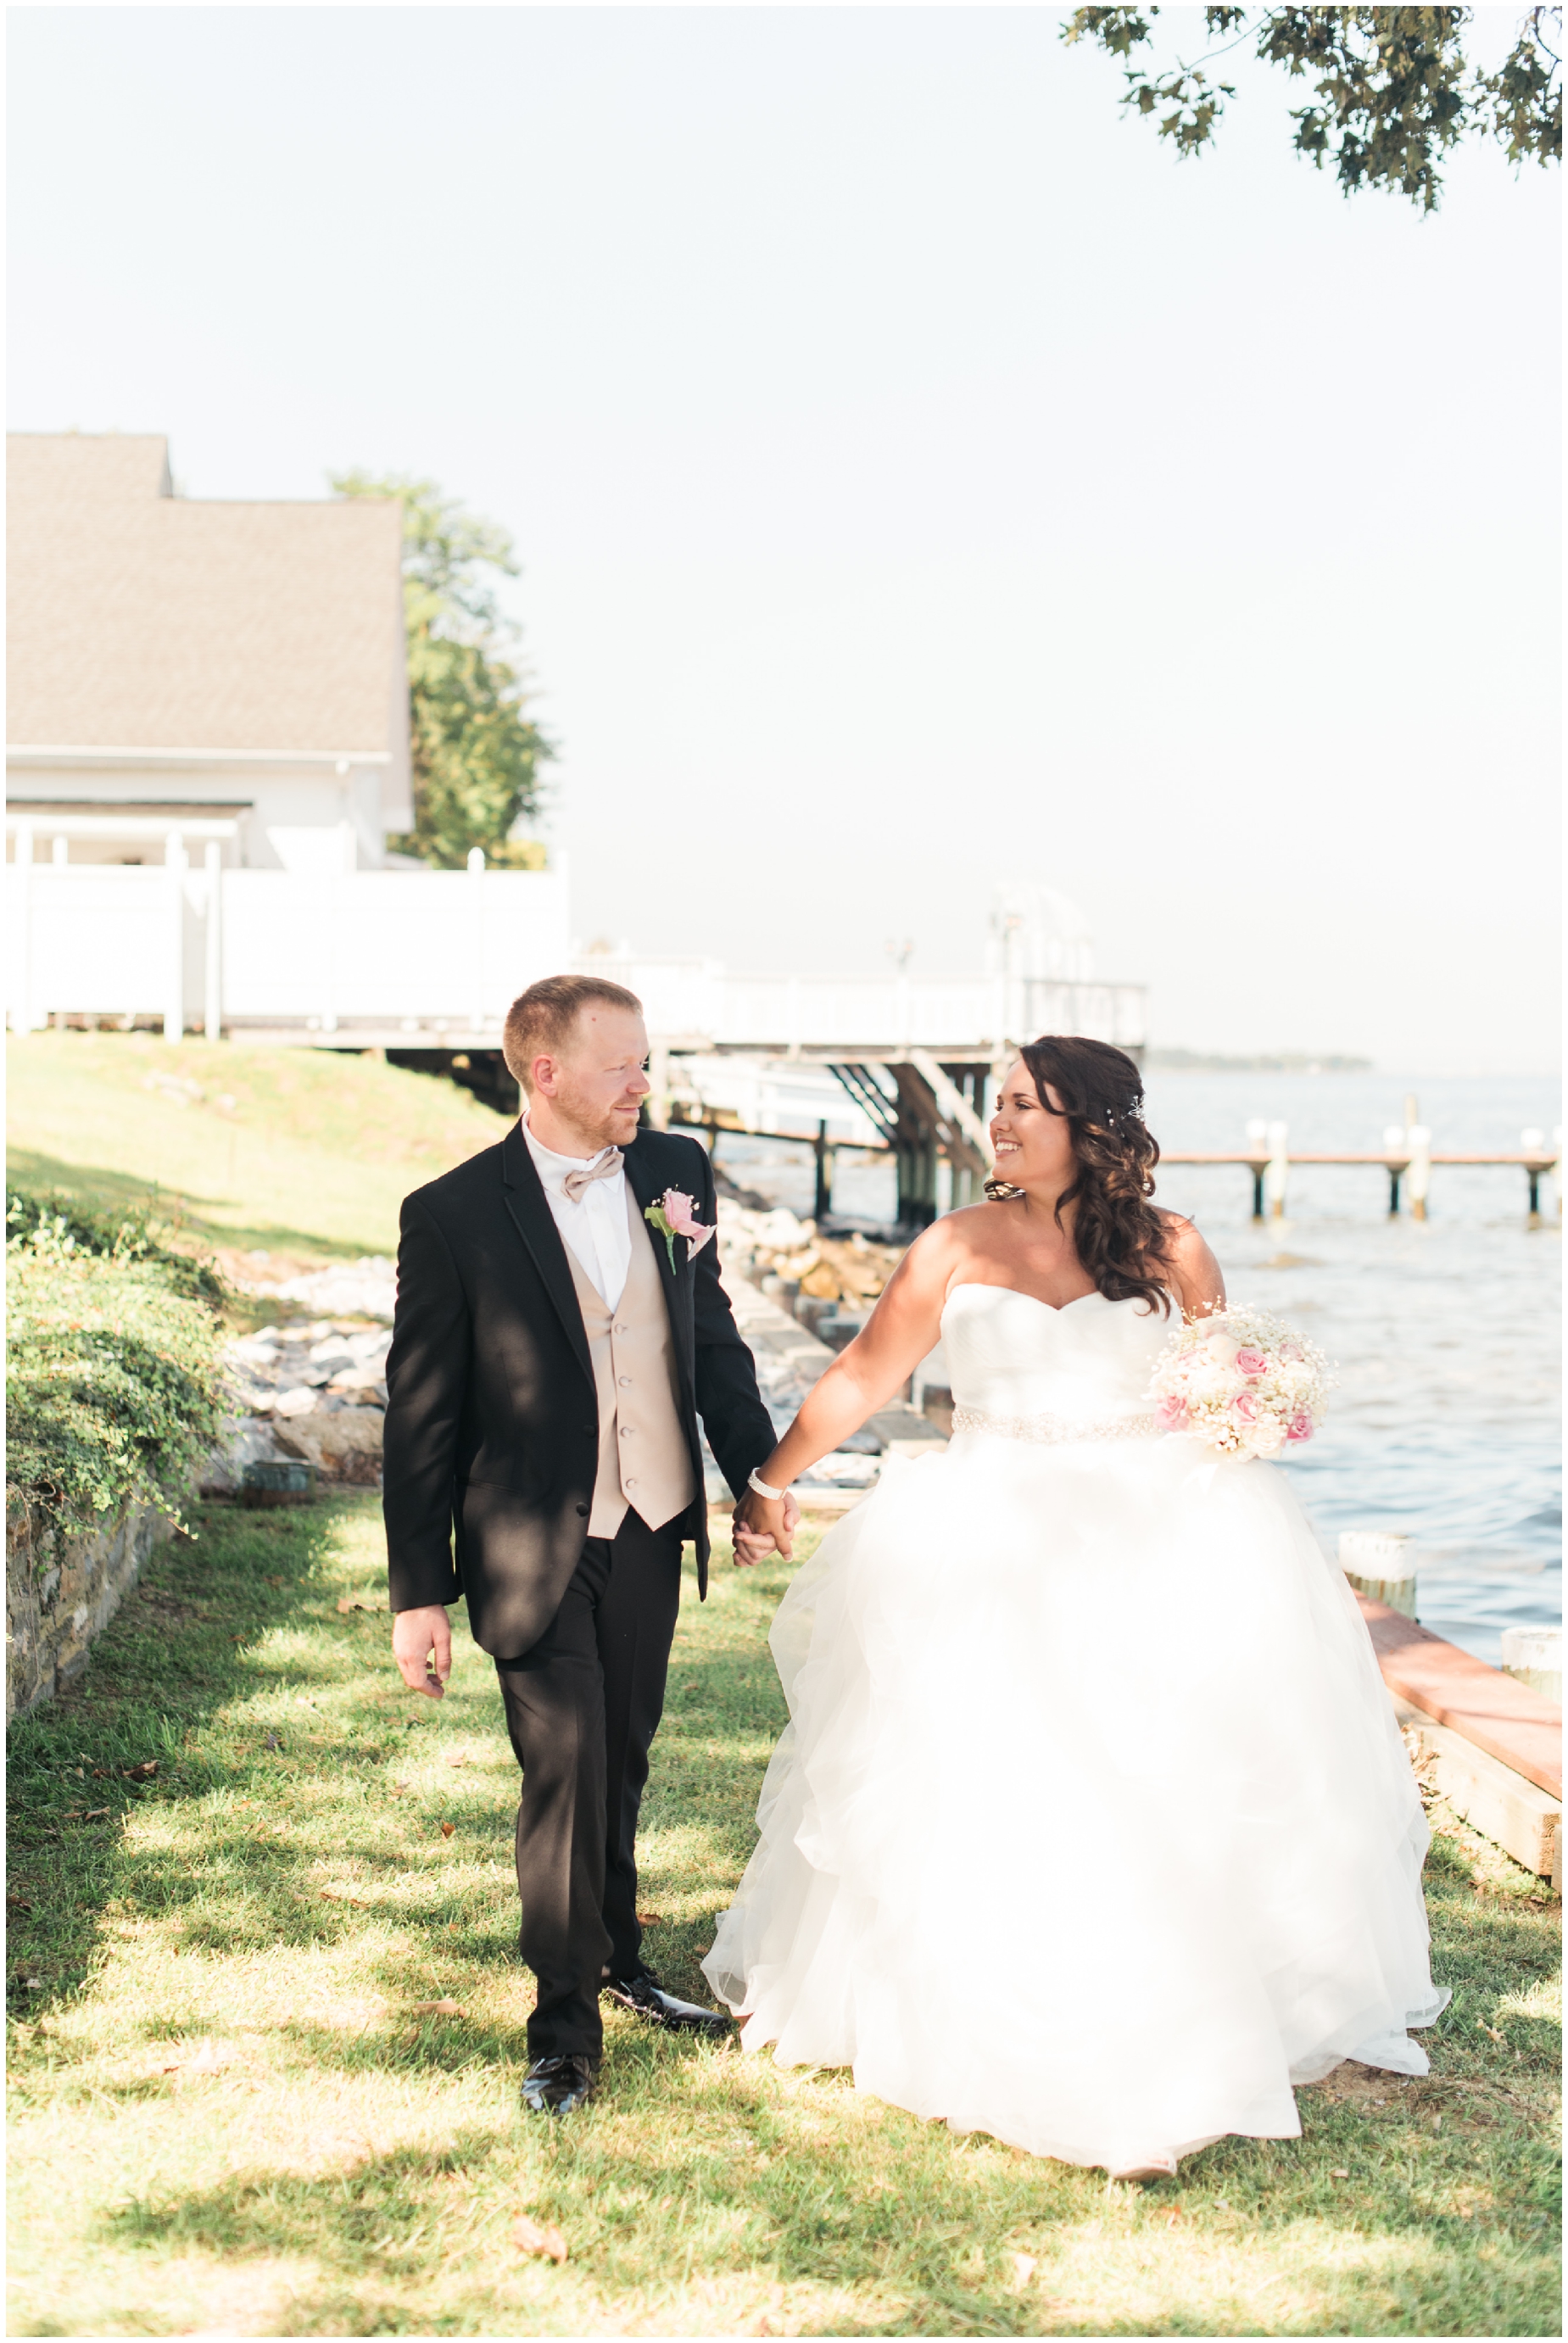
(596, 1226)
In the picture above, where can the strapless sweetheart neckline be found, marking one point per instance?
(984, 1285)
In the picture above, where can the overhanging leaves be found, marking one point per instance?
(1392, 91)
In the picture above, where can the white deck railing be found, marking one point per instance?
(879, 1016)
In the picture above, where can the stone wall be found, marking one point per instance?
(61, 1590)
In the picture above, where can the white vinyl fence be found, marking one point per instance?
(220, 951)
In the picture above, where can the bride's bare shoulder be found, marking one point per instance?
(956, 1238)
(1196, 1274)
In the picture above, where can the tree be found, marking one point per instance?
(1393, 91)
(477, 754)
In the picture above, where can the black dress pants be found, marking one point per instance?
(582, 1707)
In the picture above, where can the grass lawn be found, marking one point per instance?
(232, 2111)
(301, 1154)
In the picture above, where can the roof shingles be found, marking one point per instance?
(139, 619)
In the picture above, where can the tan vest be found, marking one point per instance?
(644, 1460)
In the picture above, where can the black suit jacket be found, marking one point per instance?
(492, 1417)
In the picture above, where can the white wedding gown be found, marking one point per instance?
(1092, 1827)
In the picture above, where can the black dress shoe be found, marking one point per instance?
(646, 1998)
(557, 2086)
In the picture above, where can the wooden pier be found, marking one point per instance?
(1536, 1165)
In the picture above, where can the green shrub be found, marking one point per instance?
(113, 1376)
(70, 1227)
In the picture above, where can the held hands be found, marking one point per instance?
(422, 1647)
(762, 1523)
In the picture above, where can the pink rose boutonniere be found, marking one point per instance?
(675, 1215)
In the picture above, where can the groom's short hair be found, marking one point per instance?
(540, 1021)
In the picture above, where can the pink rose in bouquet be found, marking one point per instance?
(1241, 1381)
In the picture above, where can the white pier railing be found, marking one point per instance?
(696, 1003)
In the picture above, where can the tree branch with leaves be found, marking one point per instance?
(476, 753)
(1392, 88)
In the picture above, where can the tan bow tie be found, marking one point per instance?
(575, 1182)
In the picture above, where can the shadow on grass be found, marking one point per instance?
(185, 1648)
(104, 1190)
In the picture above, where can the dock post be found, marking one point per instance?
(1534, 1142)
(1395, 1141)
(1258, 1140)
(1418, 1139)
(1277, 1175)
(824, 1155)
(1381, 1563)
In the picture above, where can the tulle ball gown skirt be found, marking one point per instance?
(1091, 1829)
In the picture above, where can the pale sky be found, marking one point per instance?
(922, 478)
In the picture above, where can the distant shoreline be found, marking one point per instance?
(1280, 1061)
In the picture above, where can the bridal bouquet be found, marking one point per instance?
(1242, 1381)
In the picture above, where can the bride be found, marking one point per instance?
(1091, 1827)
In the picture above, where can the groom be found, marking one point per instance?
(552, 1351)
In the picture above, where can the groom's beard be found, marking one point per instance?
(595, 1125)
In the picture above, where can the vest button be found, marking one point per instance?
(630, 1484)
(626, 1383)
(627, 1430)
(583, 1511)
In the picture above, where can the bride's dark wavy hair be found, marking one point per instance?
(1120, 1237)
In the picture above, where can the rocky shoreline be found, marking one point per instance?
(311, 1388)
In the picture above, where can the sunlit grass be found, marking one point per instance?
(294, 1151)
(229, 2112)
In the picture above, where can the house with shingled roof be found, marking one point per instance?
(208, 747)
(174, 659)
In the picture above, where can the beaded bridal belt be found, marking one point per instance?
(1051, 1431)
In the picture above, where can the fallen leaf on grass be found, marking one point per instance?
(453, 1757)
(435, 2008)
(346, 1602)
(94, 1814)
(270, 1580)
(532, 2239)
(447, 1829)
(650, 1919)
(17, 1904)
(342, 1895)
(1338, 2172)
(1492, 2031)
(1024, 2269)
